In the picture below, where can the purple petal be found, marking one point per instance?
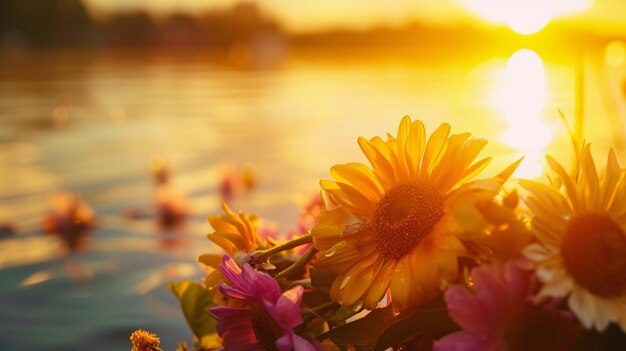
(231, 272)
(462, 341)
(302, 344)
(240, 339)
(489, 290)
(291, 341)
(235, 294)
(288, 307)
(270, 308)
(285, 342)
(260, 284)
(231, 318)
(467, 310)
(517, 284)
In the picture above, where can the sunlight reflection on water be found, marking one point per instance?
(523, 100)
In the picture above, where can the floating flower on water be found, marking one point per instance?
(268, 317)
(401, 225)
(235, 181)
(499, 315)
(171, 207)
(581, 239)
(70, 219)
(7, 230)
(159, 169)
(145, 341)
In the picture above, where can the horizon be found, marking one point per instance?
(596, 16)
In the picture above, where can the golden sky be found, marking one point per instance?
(305, 15)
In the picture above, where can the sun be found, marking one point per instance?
(525, 16)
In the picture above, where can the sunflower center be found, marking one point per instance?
(533, 328)
(594, 253)
(404, 216)
(265, 329)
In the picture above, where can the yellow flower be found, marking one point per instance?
(237, 235)
(579, 222)
(401, 224)
(144, 341)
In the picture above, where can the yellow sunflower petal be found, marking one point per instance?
(360, 177)
(589, 177)
(401, 174)
(425, 272)
(380, 163)
(572, 194)
(612, 175)
(380, 285)
(415, 147)
(361, 280)
(402, 284)
(435, 148)
(333, 223)
(343, 254)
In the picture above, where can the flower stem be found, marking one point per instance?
(301, 262)
(261, 256)
(312, 313)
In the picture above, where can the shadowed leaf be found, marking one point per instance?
(195, 301)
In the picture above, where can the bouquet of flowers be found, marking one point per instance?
(418, 252)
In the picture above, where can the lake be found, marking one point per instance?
(90, 122)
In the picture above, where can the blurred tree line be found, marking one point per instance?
(33, 24)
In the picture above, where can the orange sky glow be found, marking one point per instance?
(523, 16)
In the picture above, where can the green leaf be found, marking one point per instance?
(382, 328)
(431, 321)
(362, 333)
(195, 301)
(322, 277)
(341, 314)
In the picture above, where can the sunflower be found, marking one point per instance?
(402, 223)
(579, 222)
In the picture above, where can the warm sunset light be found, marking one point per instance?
(315, 175)
(615, 53)
(525, 16)
(522, 99)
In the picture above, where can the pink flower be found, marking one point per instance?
(234, 181)
(267, 321)
(306, 221)
(70, 219)
(499, 315)
(172, 208)
(308, 215)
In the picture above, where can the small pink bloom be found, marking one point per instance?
(172, 208)
(234, 181)
(267, 321)
(308, 215)
(306, 220)
(70, 219)
(499, 315)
